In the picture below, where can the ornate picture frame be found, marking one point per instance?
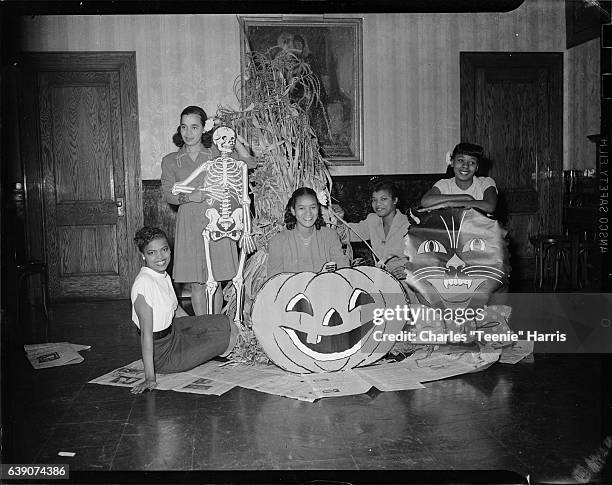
(333, 48)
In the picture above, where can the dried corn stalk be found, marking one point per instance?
(278, 92)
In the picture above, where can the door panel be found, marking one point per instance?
(512, 105)
(84, 178)
(79, 139)
(88, 250)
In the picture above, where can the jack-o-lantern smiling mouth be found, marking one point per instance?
(331, 347)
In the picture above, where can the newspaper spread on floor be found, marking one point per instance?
(427, 364)
(42, 356)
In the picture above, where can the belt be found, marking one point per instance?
(161, 334)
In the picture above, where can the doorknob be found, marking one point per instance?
(120, 206)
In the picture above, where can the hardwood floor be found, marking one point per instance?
(541, 419)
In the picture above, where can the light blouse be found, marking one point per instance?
(157, 290)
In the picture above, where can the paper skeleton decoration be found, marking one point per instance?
(226, 188)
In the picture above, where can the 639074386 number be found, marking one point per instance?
(37, 471)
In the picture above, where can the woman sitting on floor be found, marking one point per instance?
(170, 339)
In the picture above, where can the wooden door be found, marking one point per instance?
(512, 105)
(87, 162)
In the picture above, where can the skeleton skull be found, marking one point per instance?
(225, 139)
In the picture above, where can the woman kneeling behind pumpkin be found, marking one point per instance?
(170, 339)
(307, 244)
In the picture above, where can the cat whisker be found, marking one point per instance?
(472, 266)
(419, 278)
(430, 267)
(485, 276)
(430, 270)
(483, 271)
(428, 275)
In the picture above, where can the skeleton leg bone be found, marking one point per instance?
(211, 284)
(238, 282)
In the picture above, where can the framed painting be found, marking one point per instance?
(333, 49)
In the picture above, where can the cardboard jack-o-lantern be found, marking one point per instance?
(322, 322)
(457, 258)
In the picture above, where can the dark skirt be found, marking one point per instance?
(189, 253)
(192, 341)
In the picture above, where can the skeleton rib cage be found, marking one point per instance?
(224, 184)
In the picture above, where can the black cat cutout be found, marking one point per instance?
(457, 258)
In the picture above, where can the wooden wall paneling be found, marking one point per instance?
(47, 179)
(28, 124)
(554, 197)
(584, 110)
(131, 184)
(158, 213)
(467, 106)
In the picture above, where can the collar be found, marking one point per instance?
(399, 219)
(152, 272)
(474, 179)
(183, 152)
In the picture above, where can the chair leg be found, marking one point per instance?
(561, 264)
(558, 256)
(549, 255)
(542, 256)
(44, 281)
(537, 266)
(583, 261)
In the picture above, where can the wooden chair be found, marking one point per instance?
(552, 252)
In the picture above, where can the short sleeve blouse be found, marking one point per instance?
(476, 190)
(157, 290)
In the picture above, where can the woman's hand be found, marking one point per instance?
(399, 272)
(449, 204)
(178, 188)
(146, 385)
(396, 265)
(145, 317)
(198, 196)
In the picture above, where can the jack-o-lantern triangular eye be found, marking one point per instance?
(299, 303)
(332, 318)
(359, 298)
